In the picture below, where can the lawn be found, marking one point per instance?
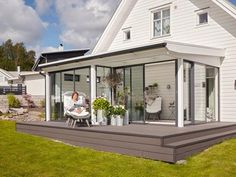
(24, 155)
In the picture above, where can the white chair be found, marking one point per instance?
(73, 117)
(154, 108)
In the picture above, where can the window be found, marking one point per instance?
(70, 77)
(202, 18)
(161, 22)
(127, 35)
(98, 79)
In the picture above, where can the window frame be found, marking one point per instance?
(75, 77)
(125, 32)
(198, 17)
(153, 12)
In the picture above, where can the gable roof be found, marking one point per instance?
(7, 74)
(122, 14)
(114, 25)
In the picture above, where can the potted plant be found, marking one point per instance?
(110, 115)
(100, 106)
(139, 108)
(119, 111)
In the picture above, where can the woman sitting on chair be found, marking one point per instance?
(77, 105)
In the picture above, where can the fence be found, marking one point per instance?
(17, 90)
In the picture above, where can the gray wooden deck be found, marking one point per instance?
(158, 142)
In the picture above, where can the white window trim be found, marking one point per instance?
(198, 24)
(160, 9)
(125, 30)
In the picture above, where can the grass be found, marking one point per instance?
(24, 155)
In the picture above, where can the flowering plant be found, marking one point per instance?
(119, 110)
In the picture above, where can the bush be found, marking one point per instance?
(42, 103)
(13, 102)
(100, 104)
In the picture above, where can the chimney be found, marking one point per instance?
(18, 70)
(61, 47)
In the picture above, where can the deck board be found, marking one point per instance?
(142, 140)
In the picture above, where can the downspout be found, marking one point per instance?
(42, 74)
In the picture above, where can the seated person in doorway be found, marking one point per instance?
(77, 105)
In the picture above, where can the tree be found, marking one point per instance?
(13, 55)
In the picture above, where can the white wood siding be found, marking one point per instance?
(220, 32)
(35, 85)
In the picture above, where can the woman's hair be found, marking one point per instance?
(73, 94)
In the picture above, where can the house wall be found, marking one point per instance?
(163, 74)
(35, 84)
(220, 32)
(3, 80)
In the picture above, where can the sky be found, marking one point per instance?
(44, 24)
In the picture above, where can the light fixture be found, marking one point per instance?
(168, 86)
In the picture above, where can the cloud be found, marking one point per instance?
(43, 6)
(39, 49)
(83, 21)
(20, 22)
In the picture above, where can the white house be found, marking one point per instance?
(33, 83)
(186, 47)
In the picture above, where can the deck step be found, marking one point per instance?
(181, 137)
(205, 138)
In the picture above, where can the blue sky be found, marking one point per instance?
(75, 23)
(43, 24)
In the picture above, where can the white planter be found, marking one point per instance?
(119, 121)
(99, 116)
(104, 122)
(126, 118)
(113, 121)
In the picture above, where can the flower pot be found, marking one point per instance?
(104, 122)
(119, 121)
(99, 116)
(126, 118)
(113, 121)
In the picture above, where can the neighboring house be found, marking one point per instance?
(23, 82)
(187, 47)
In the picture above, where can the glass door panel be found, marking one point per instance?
(137, 94)
(130, 92)
(188, 92)
(55, 96)
(199, 93)
(211, 77)
(103, 88)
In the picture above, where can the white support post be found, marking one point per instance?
(93, 91)
(217, 94)
(180, 96)
(48, 97)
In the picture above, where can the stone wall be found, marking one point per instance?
(4, 103)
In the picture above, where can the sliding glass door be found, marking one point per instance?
(130, 91)
(67, 81)
(200, 93)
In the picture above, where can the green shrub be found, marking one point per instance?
(42, 103)
(119, 110)
(100, 104)
(13, 102)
